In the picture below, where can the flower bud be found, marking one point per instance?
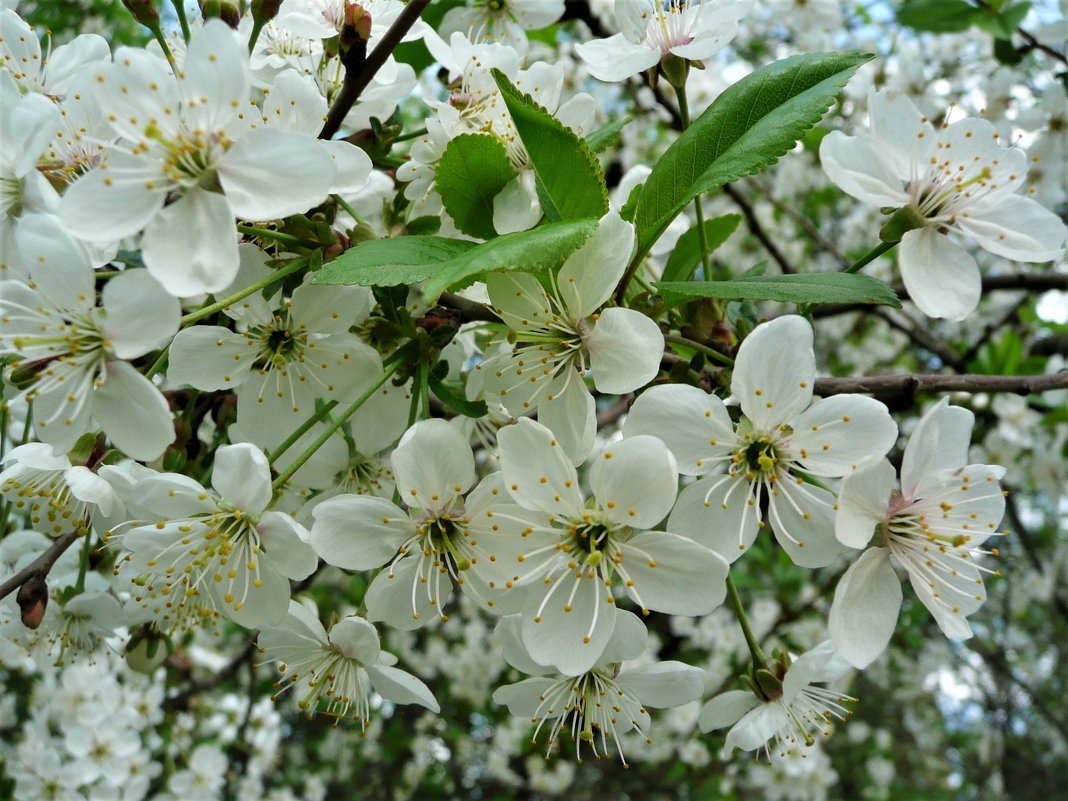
(226, 10)
(900, 223)
(32, 599)
(675, 69)
(144, 11)
(352, 44)
(147, 649)
(265, 10)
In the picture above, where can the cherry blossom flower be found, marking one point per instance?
(653, 30)
(602, 703)
(569, 555)
(934, 528)
(194, 137)
(957, 179)
(336, 671)
(73, 352)
(215, 551)
(503, 21)
(784, 436)
(784, 710)
(426, 548)
(561, 335)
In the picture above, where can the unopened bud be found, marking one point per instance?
(147, 649)
(144, 11)
(358, 19)
(226, 10)
(32, 599)
(900, 223)
(265, 10)
(769, 684)
(352, 44)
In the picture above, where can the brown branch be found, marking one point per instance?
(354, 84)
(936, 382)
(924, 338)
(757, 230)
(41, 565)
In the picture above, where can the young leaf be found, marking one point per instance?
(389, 262)
(805, 288)
(569, 173)
(607, 135)
(748, 127)
(529, 251)
(455, 400)
(687, 253)
(472, 170)
(937, 16)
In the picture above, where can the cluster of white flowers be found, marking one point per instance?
(199, 439)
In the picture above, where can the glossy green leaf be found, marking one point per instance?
(805, 288)
(569, 174)
(471, 171)
(748, 127)
(607, 135)
(937, 16)
(389, 262)
(687, 253)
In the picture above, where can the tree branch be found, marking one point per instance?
(757, 230)
(354, 84)
(936, 382)
(41, 565)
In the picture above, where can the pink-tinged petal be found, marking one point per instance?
(860, 167)
(141, 317)
(802, 518)
(133, 413)
(359, 532)
(285, 544)
(863, 499)
(571, 624)
(718, 512)
(835, 434)
(673, 574)
(942, 279)
(210, 357)
(242, 476)
(191, 246)
(590, 274)
(694, 425)
(635, 482)
(537, 473)
(401, 687)
(939, 442)
(615, 58)
(400, 598)
(774, 371)
(865, 608)
(433, 465)
(1015, 227)
(625, 348)
(114, 200)
(268, 174)
(356, 639)
(726, 709)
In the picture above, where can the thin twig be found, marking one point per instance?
(353, 85)
(757, 229)
(41, 565)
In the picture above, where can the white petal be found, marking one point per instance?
(285, 543)
(756, 727)
(433, 465)
(726, 709)
(524, 699)
(1015, 227)
(615, 58)
(191, 246)
(87, 486)
(352, 167)
(694, 425)
(571, 627)
(635, 482)
(508, 634)
(356, 639)
(399, 598)
(862, 502)
(939, 442)
(112, 201)
(865, 608)
(941, 277)
(590, 274)
(265, 605)
(516, 207)
(401, 687)
(835, 434)
(268, 174)
(801, 516)
(569, 411)
(210, 357)
(537, 473)
(860, 166)
(140, 316)
(133, 413)
(215, 76)
(673, 574)
(357, 532)
(242, 476)
(774, 371)
(625, 350)
(664, 684)
(716, 512)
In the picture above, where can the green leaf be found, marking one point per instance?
(607, 135)
(566, 168)
(1003, 25)
(805, 288)
(455, 400)
(472, 170)
(937, 16)
(389, 262)
(687, 253)
(748, 127)
(528, 251)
